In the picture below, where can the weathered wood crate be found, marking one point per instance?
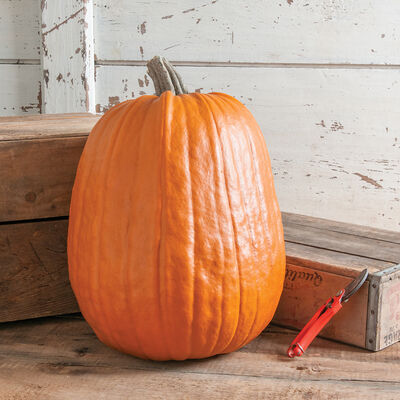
(323, 257)
(38, 158)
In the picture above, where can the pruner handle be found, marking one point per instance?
(315, 325)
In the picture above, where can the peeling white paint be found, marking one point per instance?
(19, 29)
(312, 31)
(67, 56)
(19, 89)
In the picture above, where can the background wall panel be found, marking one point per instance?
(256, 31)
(20, 91)
(322, 77)
(19, 29)
(332, 134)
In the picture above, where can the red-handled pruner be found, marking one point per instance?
(323, 316)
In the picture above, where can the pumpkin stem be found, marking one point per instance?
(165, 77)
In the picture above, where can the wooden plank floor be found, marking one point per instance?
(60, 358)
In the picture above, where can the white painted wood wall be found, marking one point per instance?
(322, 77)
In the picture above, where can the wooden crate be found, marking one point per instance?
(323, 257)
(39, 156)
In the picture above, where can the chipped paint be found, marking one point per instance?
(336, 126)
(141, 83)
(76, 77)
(290, 2)
(46, 75)
(322, 123)
(188, 11)
(368, 180)
(29, 107)
(84, 55)
(167, 16)
(113, 101)
(39, 97)
(142, 27)
(125, 82)
(172, 46)
(86, 88)
(57, 26)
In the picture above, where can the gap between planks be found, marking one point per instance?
(34, 220)
(19, 61)
(250, 64)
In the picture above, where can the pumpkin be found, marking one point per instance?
(175, 239)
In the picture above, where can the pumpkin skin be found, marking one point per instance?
(175, 239)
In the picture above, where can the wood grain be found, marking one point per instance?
(33, 270)
(332, 133)
(330, 261)
(343, 242)
(312, 31)
(37, 176)
(44, 118)
(40, 155)
(68, 70)
(61, 359)
(36, 127)
(335, 226)
(20, 91)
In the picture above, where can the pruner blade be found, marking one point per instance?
(353, 286)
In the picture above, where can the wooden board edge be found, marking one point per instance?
(330, 225)
(71, 309)
(387, 306)
(334, 269)
(373, 311)
(41, 138)
(45, 117)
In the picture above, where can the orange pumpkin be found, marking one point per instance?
(175, 240)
